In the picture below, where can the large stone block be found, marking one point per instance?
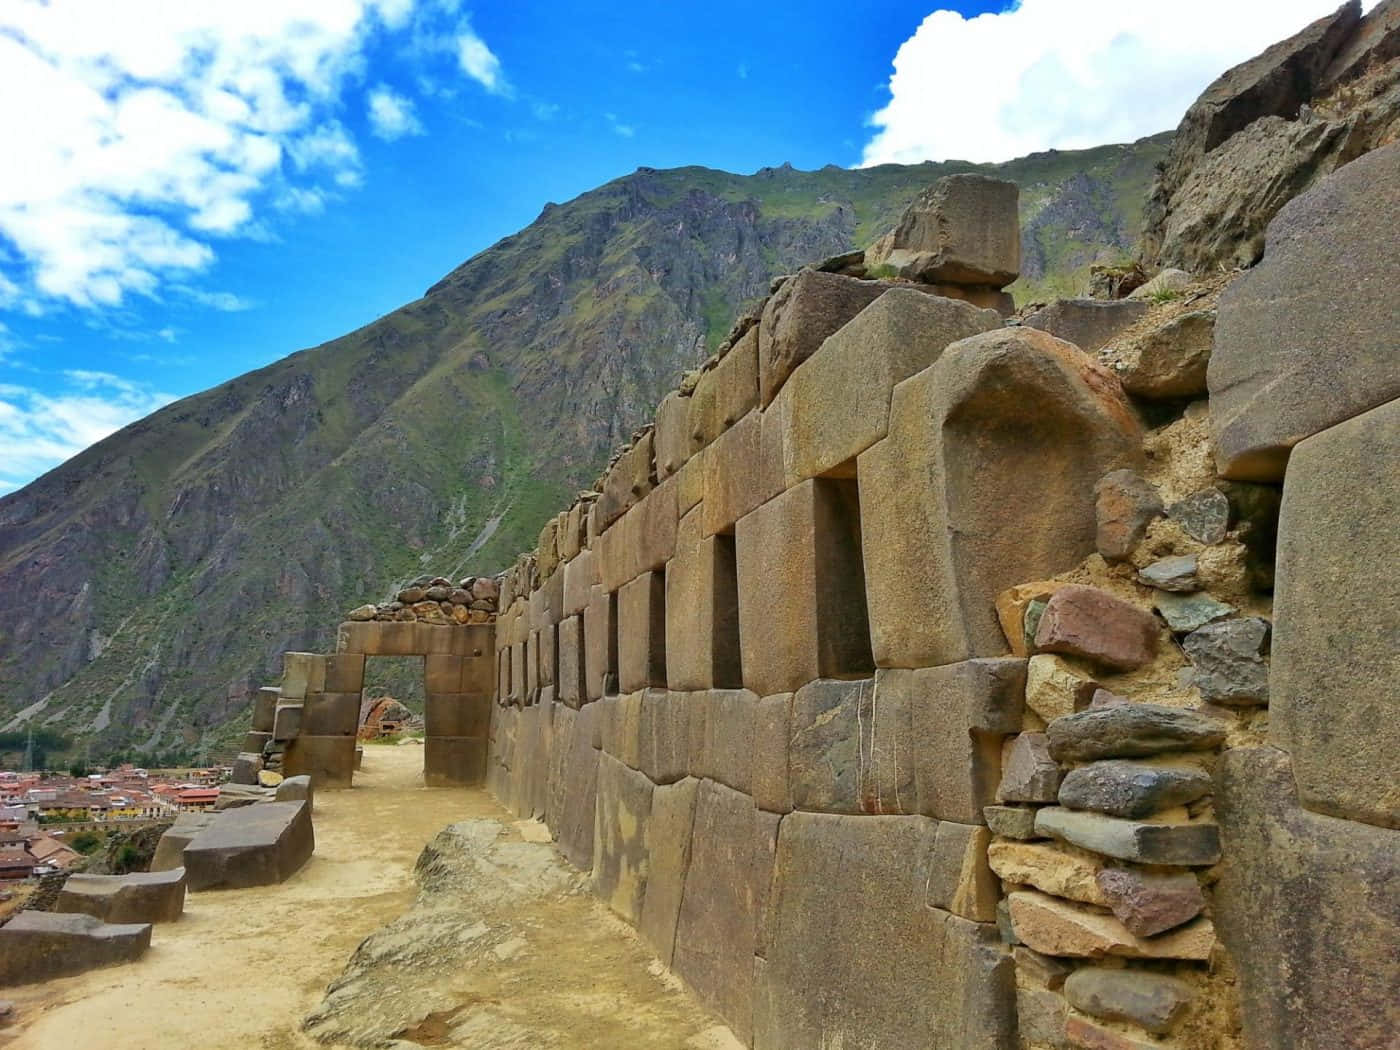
(690, 483)
(726, 727)
(40, 946)
(702, 610)
(715, 933)
(546, 603)
(265, 703)
(1305, 340)
(252, 846)
(328, 760)
(572, 687)
(964, 229)
(142, 896)
(650, 528)
(457, 714)
(1309, 909)
(627, 481)
(671, 445)
(170, 849)
(738, 477)
(378, 639)
(641, 632)
(849, 748)
(580, 576)
(769, 778)
(663, 735)
(856, 956)
(802, 609)
(669, 832)
(1335, 665)
(331, 714)
(974, 491)
(1090, 324)
(302, 673)
(575, 828)
(620, 844)
(345, 673)
(286, 722)
(799, 317)
(958, 716)
(600, 639)
(726, 392)
(840, 398)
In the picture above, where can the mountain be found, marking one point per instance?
(148, 584)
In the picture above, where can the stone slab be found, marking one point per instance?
(328, 760)
(148, 896)
(1335, 664)
(253, 846)
(40, 946)
(670, 835)
(857, 958)
(620, 844)
(457, 761)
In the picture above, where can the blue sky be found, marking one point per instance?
(197, 190)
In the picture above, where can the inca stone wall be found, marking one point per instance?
(911, 683)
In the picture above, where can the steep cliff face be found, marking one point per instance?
(147, 585)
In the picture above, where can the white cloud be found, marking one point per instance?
(391, 115)
(138, 133)
(226, 302)
(479, 62)
(625, 130)
(1065, 74)
(39, 430)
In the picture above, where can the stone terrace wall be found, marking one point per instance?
(904, 691)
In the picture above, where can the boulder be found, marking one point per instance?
(1028, 773)
(145, 896)
(970, 493)
(1089, 324)
(1125, 504)
(965, 229)
(1058, 927)
(1154, 1001)
(1189, 845)
(1229, 661)
(1176, 573)
(1275, 83)
(1132, 789)
(39, 946)
(1307, 906)
(254, 846)
(1337, 615)
(1169, 361)
(1131, 730)
(798, 319)
(1149, 903)
(1170, 282)
(295, 789)
(1058, 871)
(1088, 622)
(1055, 688)
(1190, 612)
(1203, 515)
(857, 958)
(1304, 342)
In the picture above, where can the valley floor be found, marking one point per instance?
(523, 956)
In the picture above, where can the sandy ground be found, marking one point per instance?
(242, 968)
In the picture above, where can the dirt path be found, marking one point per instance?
(244, 967)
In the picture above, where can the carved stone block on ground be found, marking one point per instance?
(154, 896)
(253, 846)
(39, 946)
